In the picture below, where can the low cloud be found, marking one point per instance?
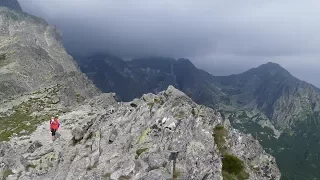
(220, 36)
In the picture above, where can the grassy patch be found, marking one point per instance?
(31, 166)
(150, 104)
(79, 98)
(124, 177)
(2, 60)
(2, 57)
(140, 151)
(219, 137)
(6, 173)
(227, 176)
(106, 176)
(37, 93)
(179, 115)
(159, 101)
(232, 166)
(22, 119)
(143, 135)
(15, 124)
(176, 173)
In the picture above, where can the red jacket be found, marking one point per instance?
(54, 124)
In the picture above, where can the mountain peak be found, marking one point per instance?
(11, 4)
(271, 65)
(186, 62)
(270, 68)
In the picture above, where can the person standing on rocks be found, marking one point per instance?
(54, 126)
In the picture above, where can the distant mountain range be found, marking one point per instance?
(268, 102)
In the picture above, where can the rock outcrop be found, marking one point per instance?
(106, 139)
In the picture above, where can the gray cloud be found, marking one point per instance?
(221, 36)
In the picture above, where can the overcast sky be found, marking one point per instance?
(221, 36)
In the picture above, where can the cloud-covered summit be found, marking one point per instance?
(221, 36)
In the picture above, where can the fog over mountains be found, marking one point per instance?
(222, 37)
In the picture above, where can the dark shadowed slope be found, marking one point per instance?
(11, 4)
(131, 79)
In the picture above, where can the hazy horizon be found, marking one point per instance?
(222, 37)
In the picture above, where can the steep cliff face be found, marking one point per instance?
(140, 139)
(38, 78)
(32, 56)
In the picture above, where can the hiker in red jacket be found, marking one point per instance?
(54, 126)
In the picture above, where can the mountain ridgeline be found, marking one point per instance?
(130, 79)
(158, 136)
(268, 102)
(268, 88)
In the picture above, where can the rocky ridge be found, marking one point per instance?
(106, 139)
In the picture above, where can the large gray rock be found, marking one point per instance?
(156, 161)
(77, 133)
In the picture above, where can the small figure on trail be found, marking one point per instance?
(54, 126)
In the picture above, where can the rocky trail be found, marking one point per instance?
(105, 139)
